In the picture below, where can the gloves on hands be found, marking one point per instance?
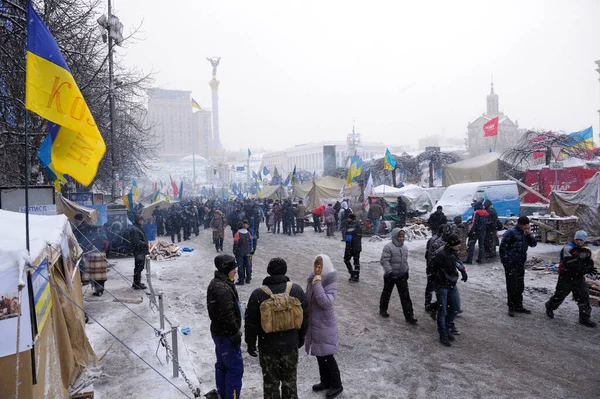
(237, 338)
(252, 351)
(463, 273)
(316, 279)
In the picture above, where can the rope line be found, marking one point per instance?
(113, 335)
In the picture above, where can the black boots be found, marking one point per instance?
(336, 386)
(587, 322)
(139, 286)
(353, 277)
(320, 387)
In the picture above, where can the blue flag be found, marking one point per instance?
(266, 171)
(249, 153)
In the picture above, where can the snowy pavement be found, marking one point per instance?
(529, 356)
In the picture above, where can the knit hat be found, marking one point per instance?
(225, 263)
(580, 235)
(277, 267)
(478, 205)
(439, 207)
(452, 240)
(523, 220)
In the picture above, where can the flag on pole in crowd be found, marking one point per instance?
(128, 201)
(355, 169)
(286, 181)
(180, 190)
(204, 192)
(52, 93)
(254, 175)
(265, 171)
(389, 163)
(196, 105)
(135, 191)
(342, 193)
(249, 153)
(369, 192)
(294, 177)
(491, 128)
(174, 186)
(45, 157)
(258, 191)
(583, 139)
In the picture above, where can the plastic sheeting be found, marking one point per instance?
(70, 209)
(584, 203)
(481, 168)
(324, 191)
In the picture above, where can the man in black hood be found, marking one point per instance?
(139, 244)
(225, 327)
(278, 350)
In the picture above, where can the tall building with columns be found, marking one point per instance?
(508, 131)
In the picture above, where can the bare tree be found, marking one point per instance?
(436, 160)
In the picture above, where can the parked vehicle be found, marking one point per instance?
(458, 199)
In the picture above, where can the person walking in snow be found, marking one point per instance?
(300, 213)
(218, 229)
(491, 228)
(394, 260)
(277, 215)
(444, 269)
(353, 248)
(322, 333)
(575, 262)
(513, 254)
(242, 243)
(139, 244)
(477, 233)
(374, 215)
(225, 327)
(343, 214)
(437, 219)
(278, 351)
(329, 216)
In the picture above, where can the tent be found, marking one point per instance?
(324, 191)
(70, 209)
(60, 349)
(583, 203)
(148, 209)
(274, 192)
(302, 190)
(481, 168)
(415, 197)
(390, 193)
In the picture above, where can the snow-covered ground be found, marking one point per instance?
(529, 356)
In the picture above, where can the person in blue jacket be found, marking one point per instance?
(513, 254)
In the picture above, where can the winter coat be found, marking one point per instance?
(513, 247)
(394, 258)
(223, 306)
(288, 213)
(375, 212)
(492, 223)
(355, 245)
(319, 211)
(277, 342)
(277, 213)
(233, 219)
(437, 219)
(575, 261)
(329, 214)
(322, 333)
(241, 242)
(217, 225)
(300, 211)
(480, 220)
(139, 243)
(443, 268)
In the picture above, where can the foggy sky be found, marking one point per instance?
(301, 71)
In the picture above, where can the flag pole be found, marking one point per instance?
(26, 182)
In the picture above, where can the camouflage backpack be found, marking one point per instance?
(281, 312)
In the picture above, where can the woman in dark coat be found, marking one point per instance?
(322, 334)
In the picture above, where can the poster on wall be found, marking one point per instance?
(98, 199)
(42, 297)
(9, 312)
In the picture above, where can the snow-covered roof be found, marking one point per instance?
(43, 230)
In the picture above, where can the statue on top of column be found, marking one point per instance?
(214, 61)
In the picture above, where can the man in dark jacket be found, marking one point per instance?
(575, 262)
(401, 212)
(491, 228)
(374, 215)
(477, 233)
(513, 254)
(288, 218)
(434, 245)
(279, 350)
(242, 245)
(174, 222)
(225, 327)
(139, 245)
(444, 269)
(436, 219)
(234, 218)
(353, 248)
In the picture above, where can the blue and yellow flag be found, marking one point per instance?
(196, 105)
(128, 201)
(51, 92)
(135, 191)
(389, 163)
(584, 139)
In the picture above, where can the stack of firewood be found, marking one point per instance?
(164, 250)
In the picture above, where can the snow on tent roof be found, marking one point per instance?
(43, 230)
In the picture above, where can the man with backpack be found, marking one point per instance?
(279, 333)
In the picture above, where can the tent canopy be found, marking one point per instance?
(274, 192)
(323, 191)
(583, 203)
(148, 209)
(71, 208)
(481, 168)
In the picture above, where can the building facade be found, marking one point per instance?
(310, 156)
(508, 136)
(180, 131)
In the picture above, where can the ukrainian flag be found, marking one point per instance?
(51, 92)
(196, 105)
(389, 163)
(583, 140)
(135, 191)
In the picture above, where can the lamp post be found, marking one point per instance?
(114, 36)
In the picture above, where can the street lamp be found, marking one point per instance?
(113, 31)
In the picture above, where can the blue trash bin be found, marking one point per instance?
(150, 231)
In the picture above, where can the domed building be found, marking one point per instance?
(508, 131)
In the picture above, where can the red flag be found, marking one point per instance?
(491, 128)
(175, 188)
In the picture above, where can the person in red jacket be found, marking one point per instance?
(477, 233)
(317, 215)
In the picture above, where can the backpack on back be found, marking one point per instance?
(281, 312)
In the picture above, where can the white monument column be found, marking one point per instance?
(214, 86)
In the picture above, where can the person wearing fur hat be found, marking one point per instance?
(444, 269)
(513, 255)
(322, 333)
(225, 327)
(575, 262)
(277, 351)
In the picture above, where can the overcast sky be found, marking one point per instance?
(301, 71)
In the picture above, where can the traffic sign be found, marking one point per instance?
(556, 149)
(556, 166)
